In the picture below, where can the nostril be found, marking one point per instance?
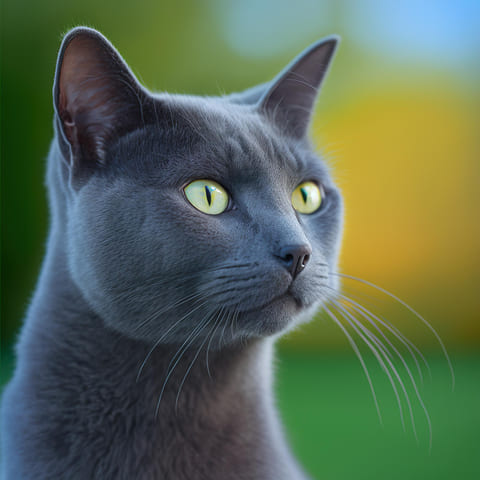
(305, 260)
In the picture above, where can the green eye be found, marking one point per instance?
(307, 197)
(207, 196)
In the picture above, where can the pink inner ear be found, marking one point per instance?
(98, 98)
(85, 97)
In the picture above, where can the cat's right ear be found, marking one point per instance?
(96, 98)
(289, 101)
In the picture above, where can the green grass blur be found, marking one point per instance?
(397, 120)
(334, 429)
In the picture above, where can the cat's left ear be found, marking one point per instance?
(291, 97)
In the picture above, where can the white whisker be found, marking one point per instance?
(217, 324)
(195, 357)
(380, 361)
(409, 373)
(408, 307)
(360, 358)
(409, 345)
(163, 336)
(370, 317)
(178, 356)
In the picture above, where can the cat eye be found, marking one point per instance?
(207, 196)
(307, 197)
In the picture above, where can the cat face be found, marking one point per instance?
(150, 260)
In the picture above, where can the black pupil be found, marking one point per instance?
(304, 194)
(208, 195)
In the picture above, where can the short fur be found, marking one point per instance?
(134, 274)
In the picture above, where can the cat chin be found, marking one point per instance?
(274, 318)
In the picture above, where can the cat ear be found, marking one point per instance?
(291, 98)
(96, 97)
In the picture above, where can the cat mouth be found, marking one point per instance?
(288, 296)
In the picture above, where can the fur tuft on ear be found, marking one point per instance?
(291, 97)
(96, 97)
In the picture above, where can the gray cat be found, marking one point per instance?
(187, 233)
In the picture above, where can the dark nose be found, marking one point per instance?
(294, 258)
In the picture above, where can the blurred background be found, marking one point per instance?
(398, 122)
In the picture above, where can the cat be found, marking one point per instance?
(187, 234)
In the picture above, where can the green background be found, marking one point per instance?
(398, 122)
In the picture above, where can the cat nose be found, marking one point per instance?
(294, 258)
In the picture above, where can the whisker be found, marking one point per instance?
(154, 315)
(232, 332)
(360, 358)
(217, 324)
(178, 355)
(164, 335)
(409, 373)
(382, 350)
(227, 320)
(379, 360)
(236, 314)
(409, 345)
(168, 279)
(370, 317)
(408, 307)
(195, 358)
(187, 342)
(385, 322)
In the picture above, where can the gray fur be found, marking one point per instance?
(131, 265)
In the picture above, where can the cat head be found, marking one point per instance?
(188, 217)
